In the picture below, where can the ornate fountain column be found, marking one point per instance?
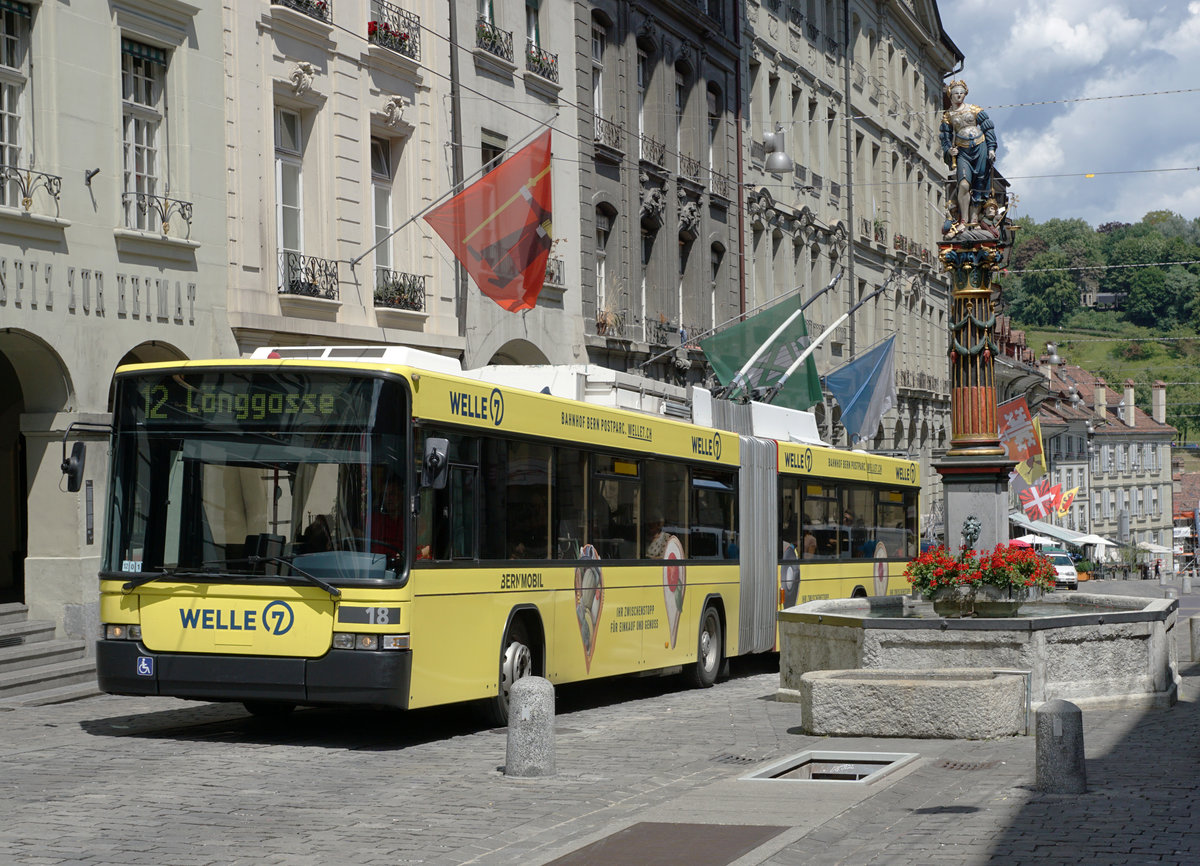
(971, 264)
(976, 467)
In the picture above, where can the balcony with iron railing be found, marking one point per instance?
(399, 291)
(773, 6)
(394, 28)
(689, 167)
(541, 62)
(493, 40)
(146, 212)
(308, 276)
(720, 185)
(18, 186)
(813, 33)
(832, 46)
(653, 151)
(556, 272)
(796, 16)
(608, 133)
(660, 332)
(322, 10)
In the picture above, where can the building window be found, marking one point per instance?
(491, 149)
(599, 38)
(14, 76)
(643, 75)
(289, 148)
(603, 231)
(680, 105)
(381, 190)
(714, 127)
(533, 29)
(143, 72)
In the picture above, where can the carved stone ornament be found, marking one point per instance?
(302, 77)
(394, 110)
(689, 219)
(654, 203)
(648, 30)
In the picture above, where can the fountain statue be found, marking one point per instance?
(977, 237)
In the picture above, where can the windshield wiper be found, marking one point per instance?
(144, 577)
(311, 578)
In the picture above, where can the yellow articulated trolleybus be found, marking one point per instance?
(382, 528)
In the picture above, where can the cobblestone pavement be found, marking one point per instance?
(141, 781)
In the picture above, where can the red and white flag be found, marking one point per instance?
(499, 227)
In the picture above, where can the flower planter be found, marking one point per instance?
(984, 584)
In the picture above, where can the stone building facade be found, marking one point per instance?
(112, 250)
(864, 197)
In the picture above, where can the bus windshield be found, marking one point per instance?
(251, 472)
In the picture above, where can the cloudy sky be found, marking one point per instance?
(1035, 51)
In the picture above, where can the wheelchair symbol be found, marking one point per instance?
(145, 666)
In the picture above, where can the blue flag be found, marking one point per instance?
(865, 389)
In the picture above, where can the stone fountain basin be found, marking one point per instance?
(1118, 652)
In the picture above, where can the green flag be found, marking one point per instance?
(729, 351)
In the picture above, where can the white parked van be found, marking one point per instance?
(1065, 568)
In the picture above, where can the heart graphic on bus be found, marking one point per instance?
(674, 584)
(589, 600)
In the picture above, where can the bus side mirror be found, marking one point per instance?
(436, 466)
(72, 467)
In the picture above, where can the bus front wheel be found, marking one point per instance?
(516, 662)
(709, 650)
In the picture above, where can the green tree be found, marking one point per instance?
(1147, 303)
(1048, 295)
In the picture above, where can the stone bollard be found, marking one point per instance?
(1060, 766)
(530, 728)
(1187, 583)
(1194, 632)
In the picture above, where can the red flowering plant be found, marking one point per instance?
(1019, 570)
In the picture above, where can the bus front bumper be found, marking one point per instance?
(379, 678)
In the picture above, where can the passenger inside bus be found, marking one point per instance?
(387, 525)
(317, 536)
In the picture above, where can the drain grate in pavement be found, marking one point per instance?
(734, 759)
(670, 844)
(968, 765)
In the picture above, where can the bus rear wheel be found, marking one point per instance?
(709, 650)
(516, 662)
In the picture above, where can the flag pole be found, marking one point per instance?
(748, 312)
(454, 189)
(778, 386)
(740, 379)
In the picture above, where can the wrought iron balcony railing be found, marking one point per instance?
(661, 333)
(493, 40)
(153, 213)
(556, 272)
(322, 10)
(17, 186)
(813, 33)
(608, 133)
(719, 184)
(399, 290)
(689, 167)
(394, 28)
(308, 275)
(796, 16)
(541, 62)
(653, 151)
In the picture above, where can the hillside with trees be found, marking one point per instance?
(1121, 300)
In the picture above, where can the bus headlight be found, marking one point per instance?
(121, 631)
(351, 640)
